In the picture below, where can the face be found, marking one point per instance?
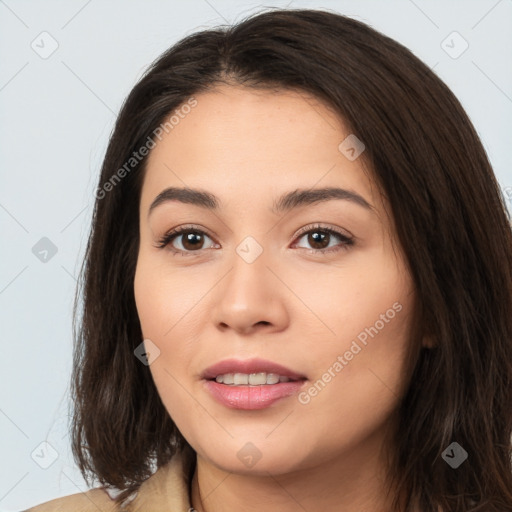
(315, 286)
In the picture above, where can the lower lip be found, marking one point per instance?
(252, 397)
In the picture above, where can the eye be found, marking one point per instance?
(320, 238)
(192, 240)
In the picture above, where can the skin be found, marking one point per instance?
(291, 306)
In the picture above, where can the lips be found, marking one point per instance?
(247, 396)
(249, 366)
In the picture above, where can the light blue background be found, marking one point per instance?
(55, 118)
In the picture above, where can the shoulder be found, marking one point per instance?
(94, 500)
(166, 489)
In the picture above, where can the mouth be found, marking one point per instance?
(251, 384)
(252, 379)
(250, 372)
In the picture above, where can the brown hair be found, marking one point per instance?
(451, 222)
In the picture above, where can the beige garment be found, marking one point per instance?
(166, 490)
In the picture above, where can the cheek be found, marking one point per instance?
(160, 309)
(168, 306)
(344, 302)
(365, 314)
(166, 297)
(147, 293)
(356, 386)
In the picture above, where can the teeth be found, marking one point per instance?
(252, 379)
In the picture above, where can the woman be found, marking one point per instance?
(297, 290)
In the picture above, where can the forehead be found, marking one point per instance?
(279, 121)
(253, 142)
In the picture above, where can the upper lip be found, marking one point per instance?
(249, 366)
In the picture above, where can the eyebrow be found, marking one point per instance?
(287, 202)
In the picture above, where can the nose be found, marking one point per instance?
(250, 297)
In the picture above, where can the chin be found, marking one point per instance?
(258, 457)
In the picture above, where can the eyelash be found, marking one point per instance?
(169, 237)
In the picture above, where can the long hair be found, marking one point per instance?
(451, 223)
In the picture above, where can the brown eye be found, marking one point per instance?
(190, 239)
(319, 239)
